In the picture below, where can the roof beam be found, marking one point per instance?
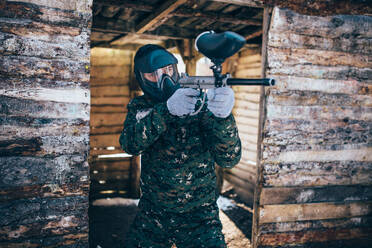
(153, 20)
(249, 3)
(254, 34)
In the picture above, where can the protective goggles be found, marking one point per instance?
(156, 76)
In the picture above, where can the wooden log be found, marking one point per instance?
(309, 174)
(319, 112)
(23, 171)
(324, 86)
(288, 39)
(330, 26)
(313, 211)
(286, 57)
(323, 72)
(13, 192)
(342, 193)
(342, 223)
(31, 46)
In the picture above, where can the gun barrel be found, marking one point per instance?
(244, 81)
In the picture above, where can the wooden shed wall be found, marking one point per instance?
(44, 116)
(110, 93)
(246, 112)
(317, 154)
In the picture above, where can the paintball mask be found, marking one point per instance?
(156, 72)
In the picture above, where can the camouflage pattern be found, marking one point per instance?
(178, 181)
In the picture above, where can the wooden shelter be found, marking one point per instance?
(66, 77)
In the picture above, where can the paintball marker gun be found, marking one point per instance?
(217, 47)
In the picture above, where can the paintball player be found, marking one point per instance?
(178, 154)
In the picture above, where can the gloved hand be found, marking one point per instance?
(221, 101)
(183, 101)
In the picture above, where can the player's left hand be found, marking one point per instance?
(221, 101)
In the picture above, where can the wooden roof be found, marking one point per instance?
(129, 24)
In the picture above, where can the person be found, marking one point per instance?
(178, 154)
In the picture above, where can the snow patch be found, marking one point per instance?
(224, 203)
(116, 201)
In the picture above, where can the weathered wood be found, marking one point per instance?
(245, 195)
(324, 235)
(313, 211)
(240, 182)
(321, 173)
(98, 119)
(330, 26)
(111, 165)
(286, 195)
(111, 90)
(115, 81)
(110, 71)
(96, 151)
(105, 140)
(289, 39)
(106, 129)
(296, 56)
(249, 3)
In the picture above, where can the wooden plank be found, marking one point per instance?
(98, 119)
(52, 69)
(245, 195)
(107, 108)
(296, 226)
(106, 129)
(96, 151)
(97, 81)
(104, 91)
(247, 97)
(307, 174)
(109, 71)
(288, 39)
(313, 236)
(108, 175)
(254, 114)
(313, 211)
(342, 193)
(111, 57)
(111, 165)
(116, 100)
(14, 192)
(330, 26)
(104, 140)
(286, 57)
(249, 3)
(243, 174)
(239, 182)
(246, 121)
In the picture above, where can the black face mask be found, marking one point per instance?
(149, 59)
(168, 86)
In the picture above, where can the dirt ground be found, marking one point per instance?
(109, 222)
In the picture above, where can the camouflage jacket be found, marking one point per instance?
(178, 154)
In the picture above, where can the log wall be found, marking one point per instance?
(246, 112)
(110, 93)
(44, 116)
(317, 146)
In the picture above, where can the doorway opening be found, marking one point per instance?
(118, 30)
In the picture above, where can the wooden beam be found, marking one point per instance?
(215, 17)
(254, 34)
(152, 21)
(135, 5)
(161, 13)
(249, 3)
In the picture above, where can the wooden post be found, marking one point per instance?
(262, 113)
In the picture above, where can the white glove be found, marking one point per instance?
(183, 101)
(221, 101)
